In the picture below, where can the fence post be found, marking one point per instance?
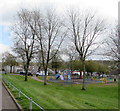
(30, 103)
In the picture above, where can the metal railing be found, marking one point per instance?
(20, 92)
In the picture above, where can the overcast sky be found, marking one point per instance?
(107, 9)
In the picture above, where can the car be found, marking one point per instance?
(41, 73)
(38, 74)
(30, 74)
(23, 73)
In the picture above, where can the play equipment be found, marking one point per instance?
(57, 76)
(61, 77)
(104, 80)
(66, 76)
(50, 78)
(69, 75)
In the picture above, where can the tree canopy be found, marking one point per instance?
(9, 60)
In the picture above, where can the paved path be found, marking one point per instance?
(35, 78)
(7, 101)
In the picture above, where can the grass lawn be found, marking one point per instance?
(97, 96)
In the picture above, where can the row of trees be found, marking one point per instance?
(58, 64)
(90, 66)
(40, 35)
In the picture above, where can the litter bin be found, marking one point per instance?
(114, 79)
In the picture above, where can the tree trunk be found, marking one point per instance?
(26, 74)
(26, 71)
(10, 69)
(39, 67)
(45, 79)
(91, 74)
(55, 70)
(83, 83)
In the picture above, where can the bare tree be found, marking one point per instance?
(38, 60)
(84, 29)
(56, 60)
(50, 35)
(72, 55)
(112, 44)
(24, 42)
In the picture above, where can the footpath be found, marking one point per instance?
(35, 78)
(7, 101)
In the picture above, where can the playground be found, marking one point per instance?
(76, 77)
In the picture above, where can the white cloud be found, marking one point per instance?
(4, 48)
(8, 8)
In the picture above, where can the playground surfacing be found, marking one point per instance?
(79, 81)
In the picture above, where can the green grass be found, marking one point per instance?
(97, 96)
